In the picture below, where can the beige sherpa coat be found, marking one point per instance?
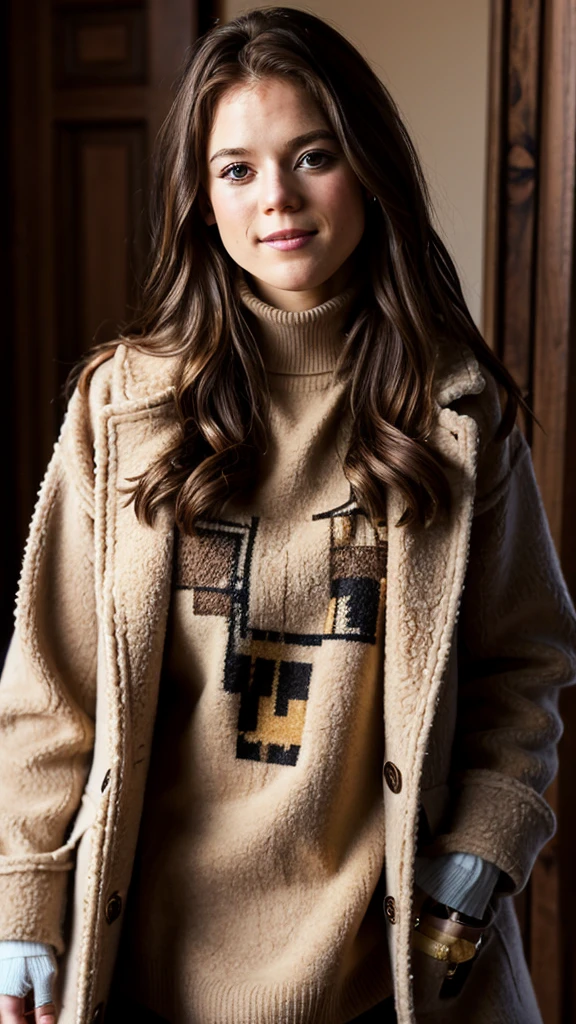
(480, 635)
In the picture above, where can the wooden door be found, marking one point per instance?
(529, 319)
(88, 86)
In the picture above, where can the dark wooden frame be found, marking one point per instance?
(529, 321)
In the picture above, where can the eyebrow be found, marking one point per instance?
(300, 140)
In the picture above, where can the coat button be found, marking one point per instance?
(393, 777)
(105, 781)
(113, 907)
(98, 1015)
(390, 909)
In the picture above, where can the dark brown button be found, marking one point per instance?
(105, 781)
(390, 909)
(98, 1015)
(113, 907)
(393, 777)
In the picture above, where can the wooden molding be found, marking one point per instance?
(494, 174)
(96, 47)
(529, 321)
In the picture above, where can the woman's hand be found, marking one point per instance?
(12, 1009)
(438, 929)
(27, 973)
(428, 976)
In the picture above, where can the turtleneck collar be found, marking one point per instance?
(305, 344)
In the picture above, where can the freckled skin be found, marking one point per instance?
(277, 185)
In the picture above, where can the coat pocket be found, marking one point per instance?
(61, 858)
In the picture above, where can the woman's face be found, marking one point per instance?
(274, 165)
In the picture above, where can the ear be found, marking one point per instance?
(205, 206)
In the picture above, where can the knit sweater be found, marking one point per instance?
(461, 880)
(256, 892)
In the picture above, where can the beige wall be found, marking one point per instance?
(433, 57)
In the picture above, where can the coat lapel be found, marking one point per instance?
(424, 580)
(134, 568)
(425, 577)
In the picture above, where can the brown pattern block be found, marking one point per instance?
(211, 602)
(359, 561)
(206, 560)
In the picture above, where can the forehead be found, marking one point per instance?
(268, 110)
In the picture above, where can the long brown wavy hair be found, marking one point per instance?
(411, 295)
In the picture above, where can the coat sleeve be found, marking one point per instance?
(516, 650)
(48, 694)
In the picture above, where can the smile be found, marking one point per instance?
(290, 240)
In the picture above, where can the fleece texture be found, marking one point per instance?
(480, 636)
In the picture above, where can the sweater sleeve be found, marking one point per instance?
(48, 696)
(460, 880)
(26, 965)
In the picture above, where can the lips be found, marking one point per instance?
(286, 235)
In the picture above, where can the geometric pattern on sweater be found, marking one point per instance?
(215, 565)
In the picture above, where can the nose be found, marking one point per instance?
(279, 192)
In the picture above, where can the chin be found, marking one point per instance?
(295, 281)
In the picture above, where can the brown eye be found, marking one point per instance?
(317, 159)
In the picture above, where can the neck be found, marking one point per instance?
(299, 344)
(298, 301)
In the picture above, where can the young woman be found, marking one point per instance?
(281, 701)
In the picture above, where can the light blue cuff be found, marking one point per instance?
(26, 965)
(461, 880)
(12, 947)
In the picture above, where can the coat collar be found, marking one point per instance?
(141, 376)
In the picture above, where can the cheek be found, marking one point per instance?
(231, 209)
(342, 198)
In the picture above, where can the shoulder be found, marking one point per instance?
(127, 379)
(467, 386)
(124, 381)
(497, 459)
(484, 405)
(464, 384)
(131, 375)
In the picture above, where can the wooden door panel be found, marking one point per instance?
(105, 230)
(90, 84)
(100, 231)
(108, 45)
